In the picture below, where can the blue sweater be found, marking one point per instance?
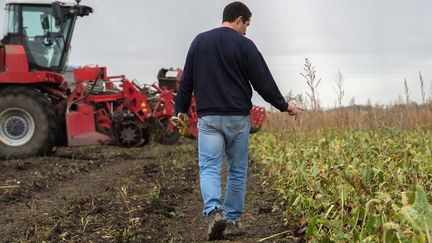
(220, 68)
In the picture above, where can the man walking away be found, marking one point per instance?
(221, 65)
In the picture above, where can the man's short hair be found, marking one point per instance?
(234, 10)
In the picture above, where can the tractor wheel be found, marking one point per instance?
(146, 136)
(28, 123)
(164, 136)
(130, 134)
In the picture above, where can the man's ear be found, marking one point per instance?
(239, 20)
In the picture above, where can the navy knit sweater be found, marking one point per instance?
(220, 68)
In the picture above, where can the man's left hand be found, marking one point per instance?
(294, 109)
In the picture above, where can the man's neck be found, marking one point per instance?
(229, 25)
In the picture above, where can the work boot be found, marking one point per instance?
(216, 225)
(234, 228)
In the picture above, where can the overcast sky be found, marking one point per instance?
(374, 43)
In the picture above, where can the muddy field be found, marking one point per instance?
(111, 194)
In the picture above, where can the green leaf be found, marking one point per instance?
(420, 213)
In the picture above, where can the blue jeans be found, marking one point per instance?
(219, 134)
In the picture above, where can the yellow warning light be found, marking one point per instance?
(144, 107)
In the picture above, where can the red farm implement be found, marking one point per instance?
(123, 115)
(257, 113)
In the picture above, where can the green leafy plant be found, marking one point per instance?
(420, 214)
(154, 193)
(350, 185)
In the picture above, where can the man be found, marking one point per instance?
(220, 68)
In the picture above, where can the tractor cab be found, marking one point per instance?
(44, 28)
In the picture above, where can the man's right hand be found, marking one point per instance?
(183, 116)
(294, 110)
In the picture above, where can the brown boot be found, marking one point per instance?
(216, 226)
(234, 228)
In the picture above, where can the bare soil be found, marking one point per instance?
(113, 194)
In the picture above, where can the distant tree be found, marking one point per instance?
(352, 101)
(300, 100)
(289, 96)
(369, 103)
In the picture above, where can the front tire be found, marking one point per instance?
(28, 124)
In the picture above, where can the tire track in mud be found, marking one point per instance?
(102, 194)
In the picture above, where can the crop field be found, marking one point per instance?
(347, 178)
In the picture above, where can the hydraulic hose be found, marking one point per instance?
(90, 91)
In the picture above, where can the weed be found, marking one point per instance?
(407, 93)
(339, 90)
(154, 193)
(422, 88)
(85, 220)
(312, 83)
(125, 235)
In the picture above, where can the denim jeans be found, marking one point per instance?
(219, 134)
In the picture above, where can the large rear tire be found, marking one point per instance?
(28, 123)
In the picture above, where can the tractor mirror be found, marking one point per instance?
(83, 10)
(58, 14)
(45, 22)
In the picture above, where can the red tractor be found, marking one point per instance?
(37, 109)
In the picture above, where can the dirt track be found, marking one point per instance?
(105, 193)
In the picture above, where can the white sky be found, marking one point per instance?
(375, 43)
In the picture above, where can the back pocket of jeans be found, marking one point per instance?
(205, 122)
(238, 124)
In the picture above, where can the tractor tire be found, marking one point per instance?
(129, 134)
(146, 136)
(167, 138)
(28, 123)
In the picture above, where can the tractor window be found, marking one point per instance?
(43, 40)
(31, 22)
(12, 22)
